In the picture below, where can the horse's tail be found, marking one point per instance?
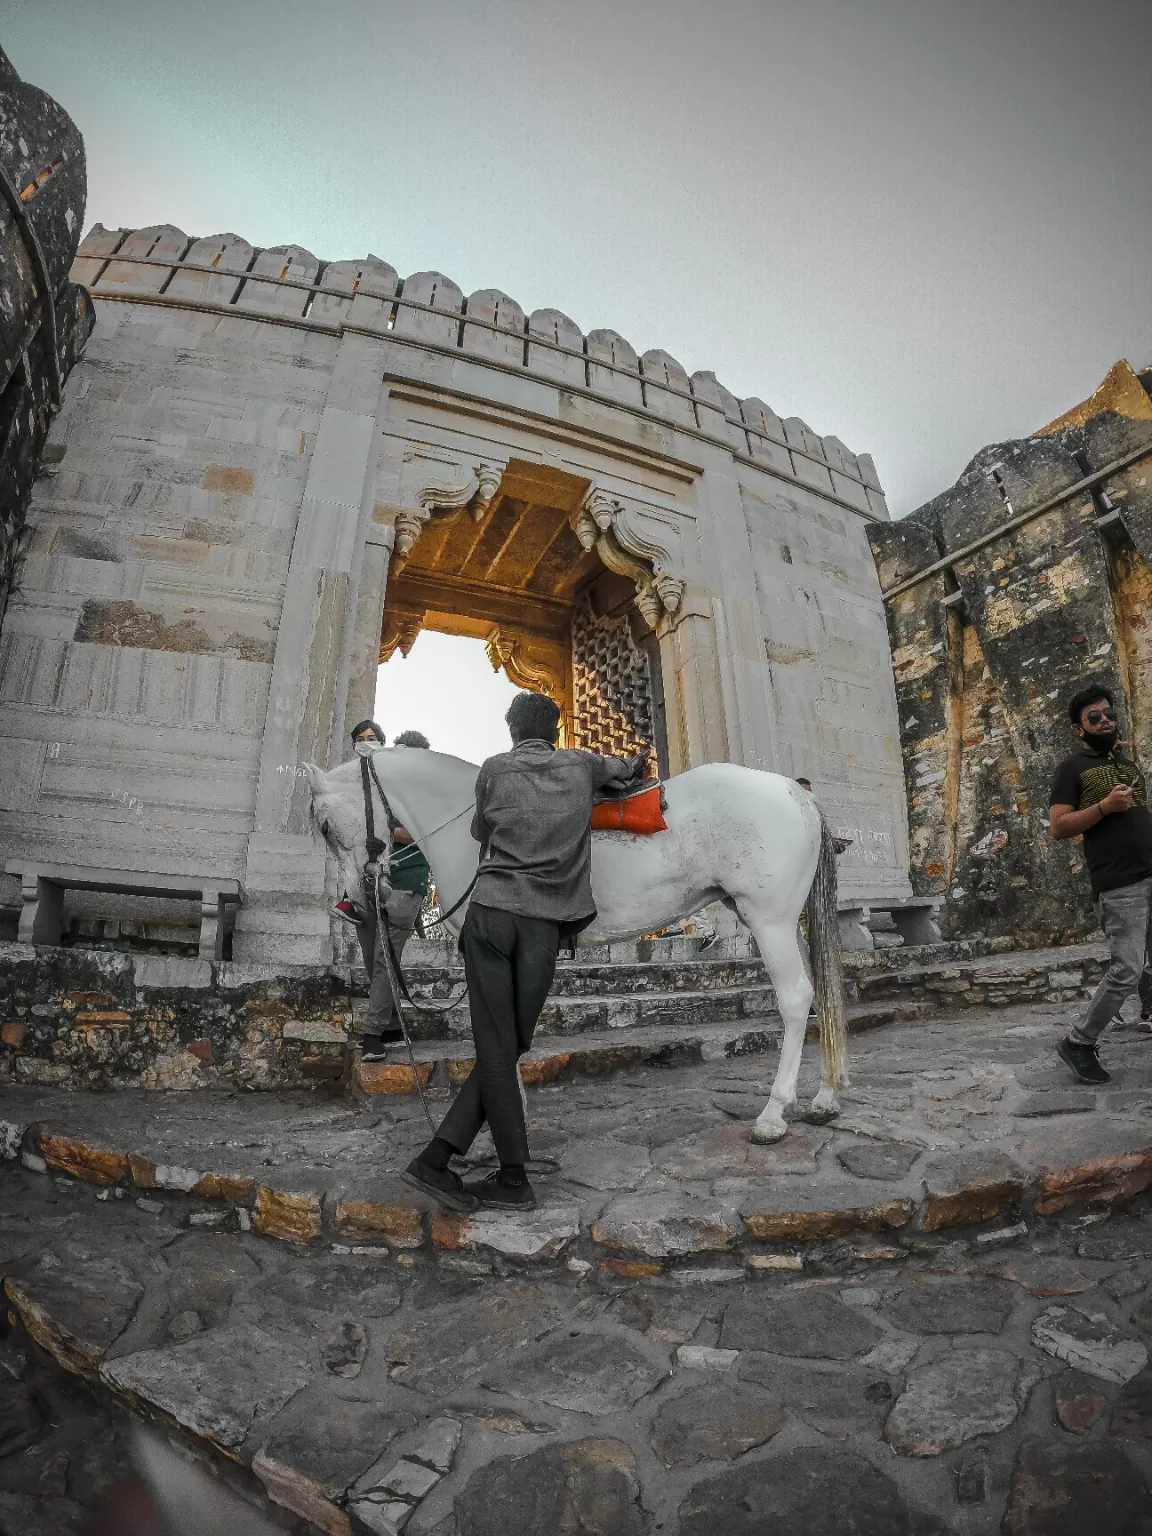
(824, 946)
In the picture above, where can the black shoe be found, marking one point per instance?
(442, 1184)
(1084, 1061)
(495, 1195)
(373, 1048)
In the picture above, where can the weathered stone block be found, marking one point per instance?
(92, 1164)
(714, 1424)
(76, 1317)
(585, 1485)
(976, 1187)
(1090, 1342)
(1057, 1488)
(969, 1393)
(814, 1225)
(538, 1234)
(297, 1218)
(215, 1385)
(390, 1077)
(666, 1224)
(401, 1225)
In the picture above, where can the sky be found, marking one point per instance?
(921, 225)
(446, 688)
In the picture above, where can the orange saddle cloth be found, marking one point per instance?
(641, 813)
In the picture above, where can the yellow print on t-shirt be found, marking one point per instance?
(1097, 783)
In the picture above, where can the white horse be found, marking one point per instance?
(754, 839)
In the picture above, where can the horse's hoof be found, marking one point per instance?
(819, 1114)
(769, 1132)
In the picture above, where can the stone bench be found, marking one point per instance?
(914, 919)
(42, 887)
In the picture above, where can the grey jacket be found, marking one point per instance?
(533, 815)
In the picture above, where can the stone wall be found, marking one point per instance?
(44, 319)
(990, 644)
(252, 443)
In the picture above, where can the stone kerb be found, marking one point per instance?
(877, 1206)
(288, 285)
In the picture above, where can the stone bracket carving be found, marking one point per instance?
(602, 524)
(432, 486)
(400, 631)
(529, 661)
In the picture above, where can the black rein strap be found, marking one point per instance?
(374, 845)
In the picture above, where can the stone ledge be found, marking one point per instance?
(1102, 1163)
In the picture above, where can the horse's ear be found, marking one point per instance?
(317, 778)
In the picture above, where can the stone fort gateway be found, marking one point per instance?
(270, 472)
(235, 480)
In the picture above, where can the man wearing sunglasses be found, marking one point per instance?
(1099, 794)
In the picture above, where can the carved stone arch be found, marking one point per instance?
(602, 523)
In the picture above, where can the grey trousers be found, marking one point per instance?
(403, 908)
(1126, 918)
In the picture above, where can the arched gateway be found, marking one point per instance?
(270, 472)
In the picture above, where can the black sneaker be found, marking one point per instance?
(373, 1048)
(442, 1184)
(495, 1195)
(1084, 1061)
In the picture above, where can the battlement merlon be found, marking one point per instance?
(287, 284)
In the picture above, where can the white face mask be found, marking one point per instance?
(366, 748)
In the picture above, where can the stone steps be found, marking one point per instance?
(326, 1175)
(578, 979)
(606, 1011)
(675, 1043)
(1063, 975)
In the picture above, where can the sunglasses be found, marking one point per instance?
(1096, 716)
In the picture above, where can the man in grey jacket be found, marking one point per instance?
(533, 822)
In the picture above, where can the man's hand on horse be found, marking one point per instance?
(641, 764)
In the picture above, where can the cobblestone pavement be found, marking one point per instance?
(646, 1367)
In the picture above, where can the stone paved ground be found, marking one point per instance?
(645, 1363)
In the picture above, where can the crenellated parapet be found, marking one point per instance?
(288, 285)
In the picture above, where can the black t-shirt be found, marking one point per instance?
(1118, 849)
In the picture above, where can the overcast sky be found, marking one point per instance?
(923, 225)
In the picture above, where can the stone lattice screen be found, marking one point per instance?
(611, 686)
(987, 650)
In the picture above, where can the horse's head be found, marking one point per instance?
(338, 813)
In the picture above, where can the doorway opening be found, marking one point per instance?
(548, 612)
(446, 687)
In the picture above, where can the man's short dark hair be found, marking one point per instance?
(807, 783)
(533, 717)
(1079, 702)
(368, 725)
(411, 739)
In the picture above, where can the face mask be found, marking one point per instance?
(366, 748)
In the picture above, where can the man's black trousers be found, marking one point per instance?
(509, 961)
